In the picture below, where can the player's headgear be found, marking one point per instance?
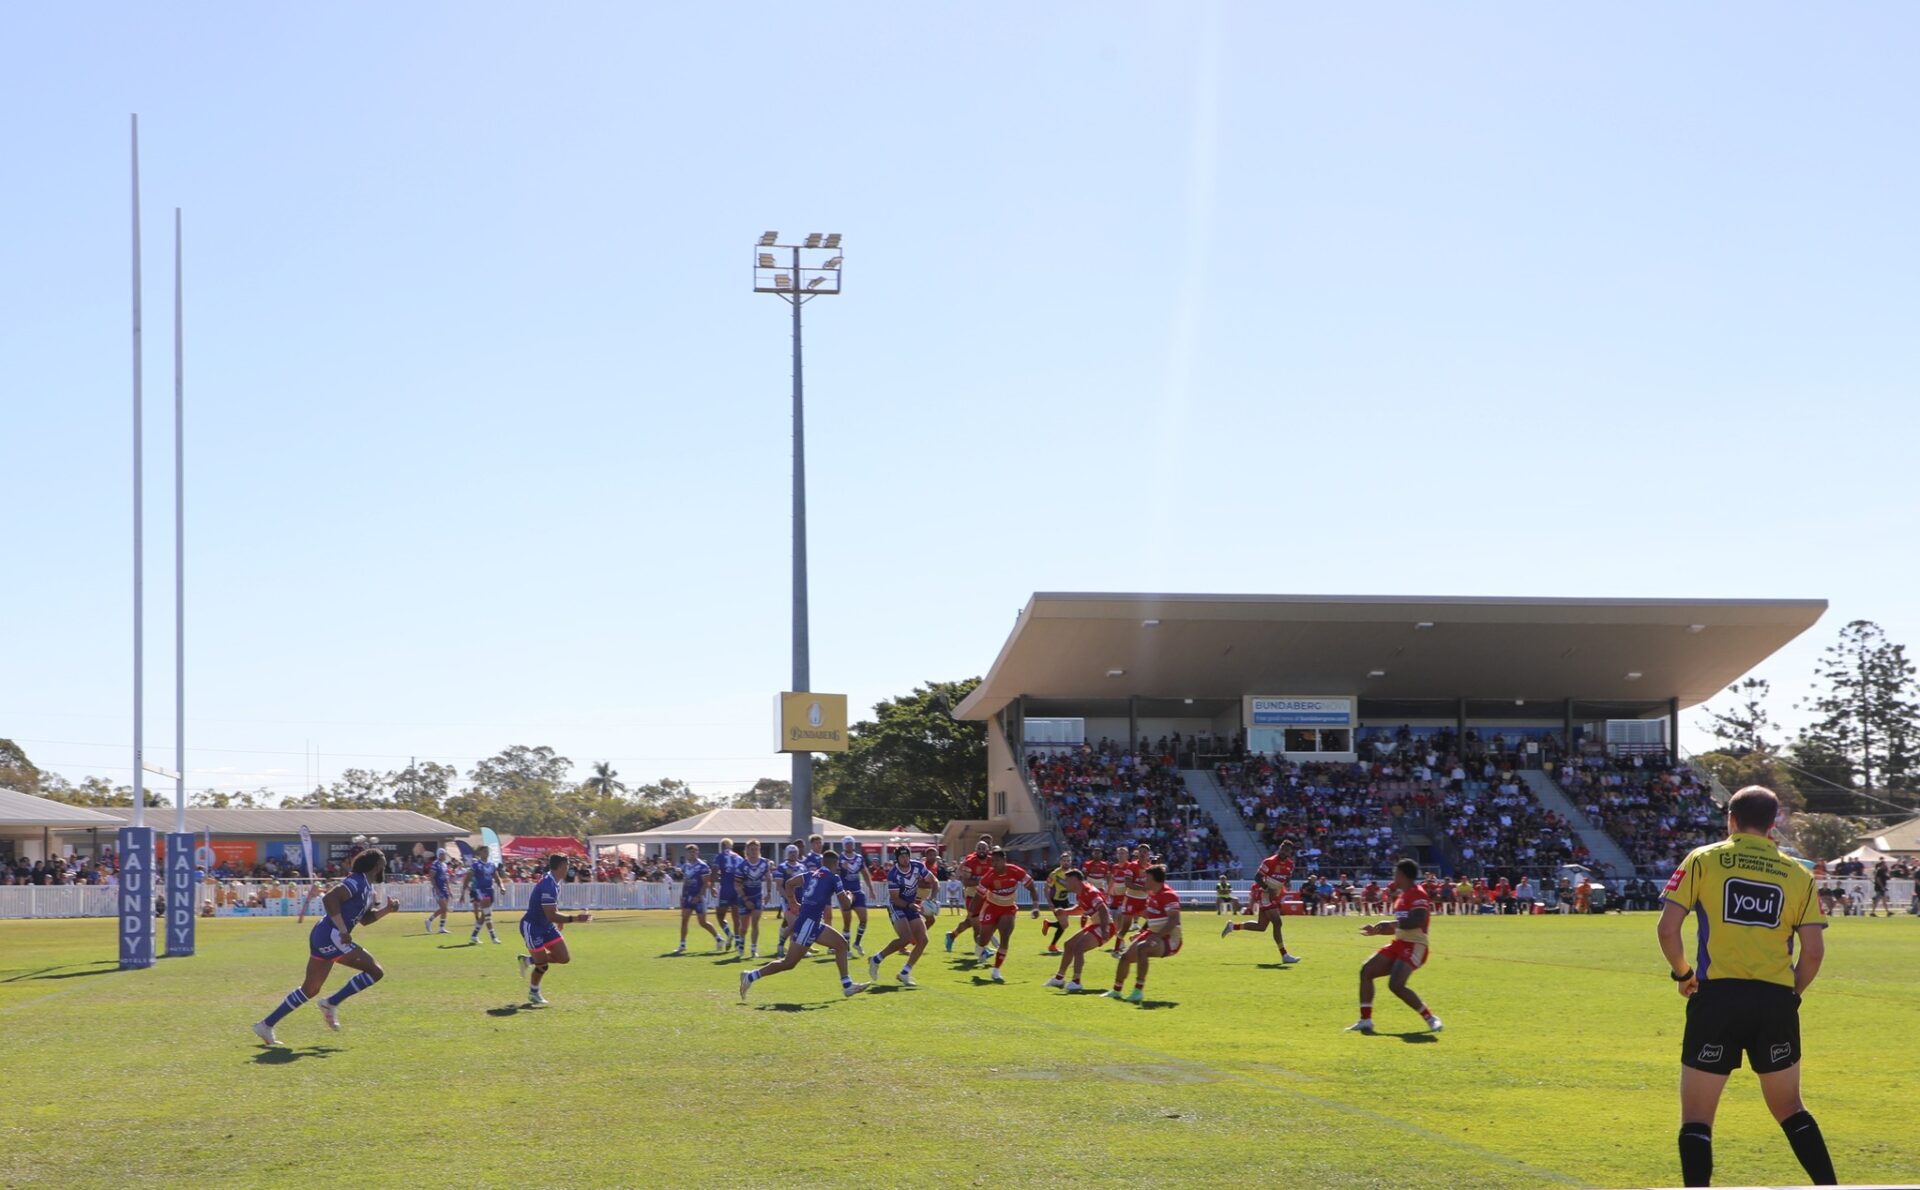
(900, 848)
(793, 849)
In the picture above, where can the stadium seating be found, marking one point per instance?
(1655, 809)
(1105, 796)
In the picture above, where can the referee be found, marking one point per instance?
(1755, 909)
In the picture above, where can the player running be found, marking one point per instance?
(782, 872)
(1269, 889)
(906, 881)
(972, 867)
(540, 928)
(476, 887)
(1121, 875)
(726, 872)
(809, 895)
(331, 941)
(1399, 959)
(854, 871)
(999, 904)
(1159, 936)
(695, 875)
(1060, 897)
(754, 872)
(1096, 926)
(442, 890)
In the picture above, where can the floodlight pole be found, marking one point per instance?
(802, 794)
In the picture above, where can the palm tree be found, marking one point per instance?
(605, 780)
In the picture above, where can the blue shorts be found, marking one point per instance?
(807, 932)
(325, 942)
(729, 900)
(907, 914)
(538, 935)
(694, 902)
(482, 898)
(442, 894)
(859, 898)
(752, 905)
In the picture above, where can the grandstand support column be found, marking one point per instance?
(1133, 721)
(1460, 724)
(1566, 740)
(1673, 728)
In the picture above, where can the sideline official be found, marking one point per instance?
(1753, 909)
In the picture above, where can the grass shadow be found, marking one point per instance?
(510, 1010)
(792, 1007)
(282, 1055)
(1420, 1037)
(1159, 1003)
(98, 967)
(458, 945)
(1275, 966)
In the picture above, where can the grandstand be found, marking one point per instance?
(1486, 736)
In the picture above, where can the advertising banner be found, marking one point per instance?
(136, 896)
(180, 898)
(811, 722)
(1299, 712)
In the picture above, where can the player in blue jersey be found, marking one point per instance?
(346, 905)
(782, 872)
(909, 886)
(853, 876)
(442, 890)
(809, 895)
(476, 887)
(726, 875)
(755, 872)
(696, 876)
(540, 928)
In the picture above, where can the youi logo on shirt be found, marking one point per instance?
(1750, 903)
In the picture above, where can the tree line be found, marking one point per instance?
(911, 763)
(1858, 754)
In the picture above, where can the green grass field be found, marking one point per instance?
(1557, 1065)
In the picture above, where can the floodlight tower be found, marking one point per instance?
(811, 269)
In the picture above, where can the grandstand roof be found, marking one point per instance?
(1901, 838)
(1064, 646)
(393, 823)
(24, 809)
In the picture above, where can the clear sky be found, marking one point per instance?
(488, 435)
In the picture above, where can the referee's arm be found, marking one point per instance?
(1671, 915)
(1813, 948)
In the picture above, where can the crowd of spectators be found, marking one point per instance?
(1106, 796)
(1655, 809)
(59, 870)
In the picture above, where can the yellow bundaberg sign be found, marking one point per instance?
(812, 722)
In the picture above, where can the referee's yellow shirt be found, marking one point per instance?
(1746, 899)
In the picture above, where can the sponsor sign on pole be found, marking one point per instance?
(180, 906)
(812, 722)
(136, 896)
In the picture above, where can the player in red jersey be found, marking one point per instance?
(999, 887)
(1159, 937)
(1400, 958)
(1129, 891)
(976, 862)
(1096, 926)
(1269, 886)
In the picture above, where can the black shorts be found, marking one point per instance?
(1061, 901)
(1729, 1016)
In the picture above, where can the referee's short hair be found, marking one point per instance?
(1754, 808)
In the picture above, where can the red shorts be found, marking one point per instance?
(973, 904)
(1100, 933)
(992, 914)
(1414, 954)
(1135, 906)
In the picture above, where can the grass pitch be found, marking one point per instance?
(1557, 1066)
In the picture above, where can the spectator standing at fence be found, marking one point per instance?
(1880, 900)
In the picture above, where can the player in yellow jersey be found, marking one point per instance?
(1751, 905)
(1060, 899)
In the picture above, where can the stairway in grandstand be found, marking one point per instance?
(1599, 844)
(1248, 851)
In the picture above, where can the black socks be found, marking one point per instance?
(1696, 1154)
(1810, 1147)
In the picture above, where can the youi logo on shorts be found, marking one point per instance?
(1751, 903)
(1710, 1053)
(1780, 1051)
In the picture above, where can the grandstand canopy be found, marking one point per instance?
(25, 810)
(397, 824)
(1085, 648)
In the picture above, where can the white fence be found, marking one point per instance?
(98, 901)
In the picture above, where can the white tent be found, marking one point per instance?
(769, 826)
(1865, 854)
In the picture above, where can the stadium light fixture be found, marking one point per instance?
(1149, 623)
(1424, 624)
(788, 280)
(1376, 673)
(1634, 676)
(1696, 628)
(1116, 673)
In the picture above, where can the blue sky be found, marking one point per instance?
(488, 437)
